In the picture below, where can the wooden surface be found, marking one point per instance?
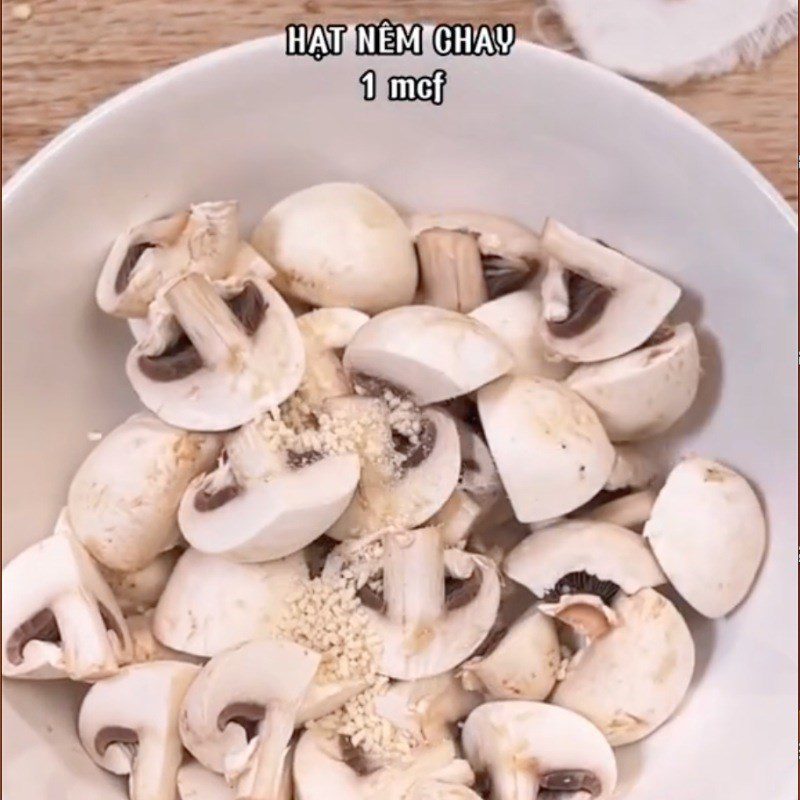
(72, 54)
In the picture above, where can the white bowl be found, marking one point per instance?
(535, 134)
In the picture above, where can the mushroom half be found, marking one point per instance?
(128, 725)
(60, 618)
(645, 392)
(708, 532)
(239, 714)
(631, 681)
(433, 607)
(326, 241)
(598, 303)
(266, 501)
(521, 750)
(123, 500)
(549, 446)
(236, 352)
(430, 353)
(211, 603)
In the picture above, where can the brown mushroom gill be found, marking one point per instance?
(128, 265)
(371, 598)
(414, 451)
(182, 359)
(582, 583)
(355, 757)
(316, 554)
(248, 716)
(554, 784)
(503, 276)
(587, 301)
(460, 592)
(42, 627)
(305, 458)
(207, 500)
(114, 734)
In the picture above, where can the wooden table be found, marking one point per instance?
(69, 55)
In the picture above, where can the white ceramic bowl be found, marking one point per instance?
(535, 134)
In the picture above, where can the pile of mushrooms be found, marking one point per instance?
(387, 529)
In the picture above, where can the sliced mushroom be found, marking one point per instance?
(632, 469)
(266, 502)
(521, 750)
(630, 681)
(326, 332)
(645, 392)
(239, 353)
(239, 714)
(430, 353)
(195, 782)
(598, 303)
(211, 603)
(497, 256)
(326, 240)
(60, 618)
(146, 258)
(436, 605)
(550, 449)
(324, 768)
(708, 532)
(405, 477)
(123, 500)
(139, 591)
(518, 663)
(516, 319)
(128, 724)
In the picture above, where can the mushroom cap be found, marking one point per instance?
(140, 590)
(248, 381)
(326, 240)
(433, 353)
(550, 449)
(516, 319)
(211, 603)
(271, 518)
(608, 552)
(708, 532)
(268, 673)
(643, 393)
(123, 500)
(407, 497)
(60, 618)
(638, 302)
(631, 680)
(518, 742)
(522, 665)
(195, 782)
(139, 707)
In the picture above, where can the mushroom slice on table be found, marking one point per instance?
(123, 500)
(408, 471)
(326, 767)
(518, 663)
(643, 393)
(211, 603)
(430, 353)
(708, 532)
(60, 618)
(435, 607)
(265, 501)
(239, 714)
(195, 782)
(239, 353)
(466, 258)
(516, 318)
(630, 681)
(549, 446)
(146, 258)
(325, 242)
(326, 332)
(521, 750)
(128, 724)
(598, 303)
(139, 591)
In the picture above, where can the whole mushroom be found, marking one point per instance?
(123, 500)
(128, 724)
(60, 618)
(708, 532)
(327, 241)
(521, 750)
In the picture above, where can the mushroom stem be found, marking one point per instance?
(515, 783)
(413, 581)
(555, 293)
(208, 322)
(154, 766)
(263, 776)
(86, 648)
(252, 456)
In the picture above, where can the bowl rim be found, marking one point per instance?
(274, 42)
